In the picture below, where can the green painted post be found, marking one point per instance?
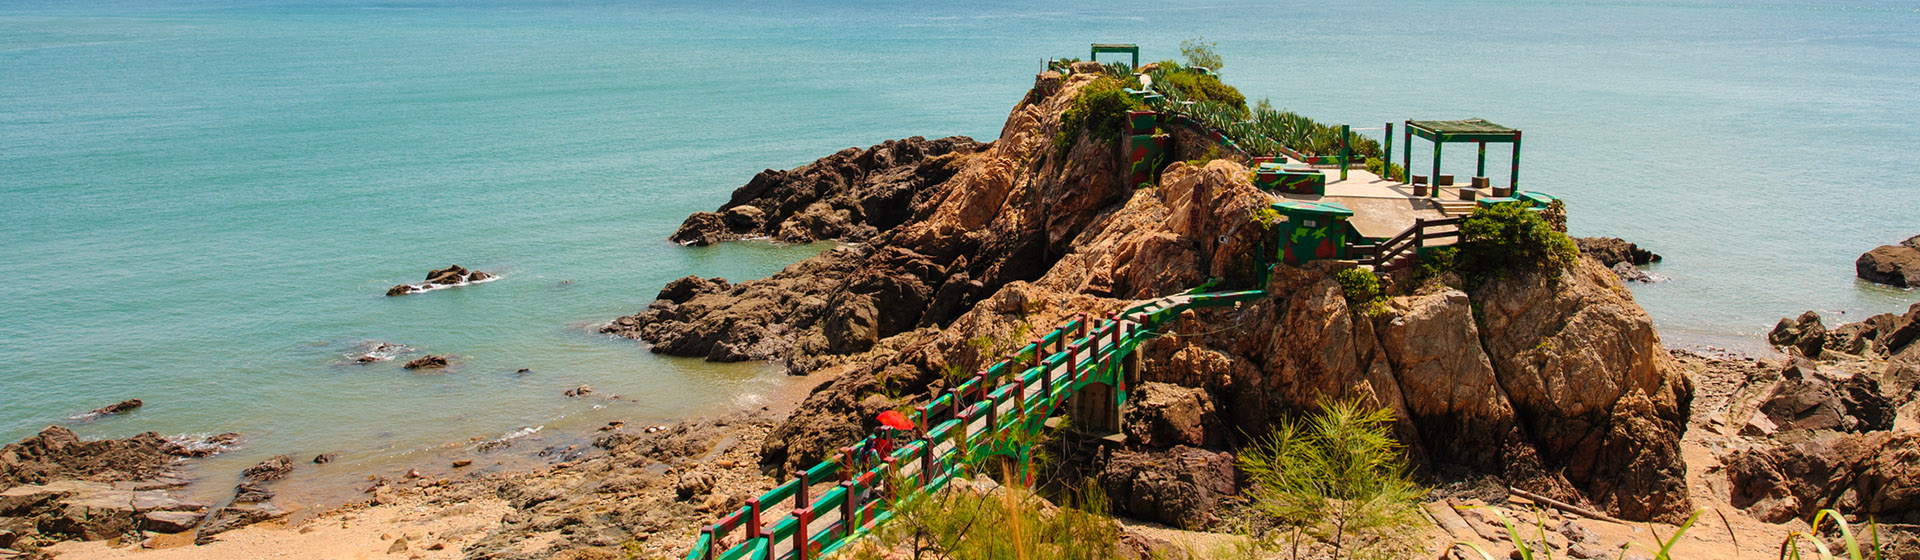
(1406, 156)
(1346, 149)
(1481, 170)
(1515, 180)
(1387, 154)
(1435, 178)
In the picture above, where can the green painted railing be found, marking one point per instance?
(978, 418)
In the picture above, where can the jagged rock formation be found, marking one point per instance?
(1555, 380)
(851, 195)
(1861, 474)
(1893, 265)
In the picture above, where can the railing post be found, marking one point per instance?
(1083, 325)
(800, 491)
(1419, 232)
(922, 409)
(980, 384)
(849, 510)
(954, 393)
(993, 414)
(1046, 386)
(1020, 396)
(753, 518)
(1073, 357)
(713, 542)
(846, 462)
(803, 541)
(926, 462)
(1038, 347)
(1059, 338)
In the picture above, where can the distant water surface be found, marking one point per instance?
(201, 203)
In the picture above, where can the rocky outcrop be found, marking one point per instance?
(1807, 398)
(1893, 265)
(1881, 336)
(945, 223)
(851, 195)
(1611, 251)
(56, 453)
(454, 275)
(1861, 474)
(1554, 380)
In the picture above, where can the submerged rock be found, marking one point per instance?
(428, 362)
(1893, 265)
(454, 275)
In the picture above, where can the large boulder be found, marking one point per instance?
(1164, 415)
(1861, 474)
(1804, 334)
(1181, 486)
(57, 453)
(1893, 265)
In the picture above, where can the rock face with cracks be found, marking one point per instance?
(1554, 380)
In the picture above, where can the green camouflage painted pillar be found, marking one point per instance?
(1386, 166)
(1515, 180)
(1346, 149)
(1406, 155)
(1437, 144)
(1481, 169)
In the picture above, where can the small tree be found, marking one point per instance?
(1337, 477)
(1200, 52)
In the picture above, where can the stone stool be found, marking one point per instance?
(1419, 185)
(1468, 193)
(1443, 180)
(1503, 191)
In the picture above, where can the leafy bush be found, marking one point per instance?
(1508, 238)
(1100, 108)
(1192, 85)
(1362, 289)
(1200, 52)
(1340, 478)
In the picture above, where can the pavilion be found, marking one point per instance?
(1478, 131)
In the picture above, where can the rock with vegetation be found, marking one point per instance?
(1893, 265)
(1516, 356)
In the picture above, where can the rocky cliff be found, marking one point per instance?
(1554, 380)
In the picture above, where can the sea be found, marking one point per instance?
(202, 202)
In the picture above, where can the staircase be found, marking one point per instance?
(1403, 250)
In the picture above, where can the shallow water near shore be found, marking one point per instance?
(202, 203)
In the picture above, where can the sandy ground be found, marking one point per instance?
(353, 533)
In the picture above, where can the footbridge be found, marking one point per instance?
(1083, 365)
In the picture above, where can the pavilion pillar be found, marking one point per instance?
(1481, 169)
(1437, 144)
(1387, 154)
(1346, 149)
(1515, 180)
(1406, 147)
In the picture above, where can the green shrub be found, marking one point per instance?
(1509, 238)
(1100, 108)
(1194, 86)
(1338, 477)
(1362, 289)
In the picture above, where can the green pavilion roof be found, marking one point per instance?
(1469, 126)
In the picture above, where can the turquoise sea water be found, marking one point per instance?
(201, 203)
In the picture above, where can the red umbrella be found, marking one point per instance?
(894, 419)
